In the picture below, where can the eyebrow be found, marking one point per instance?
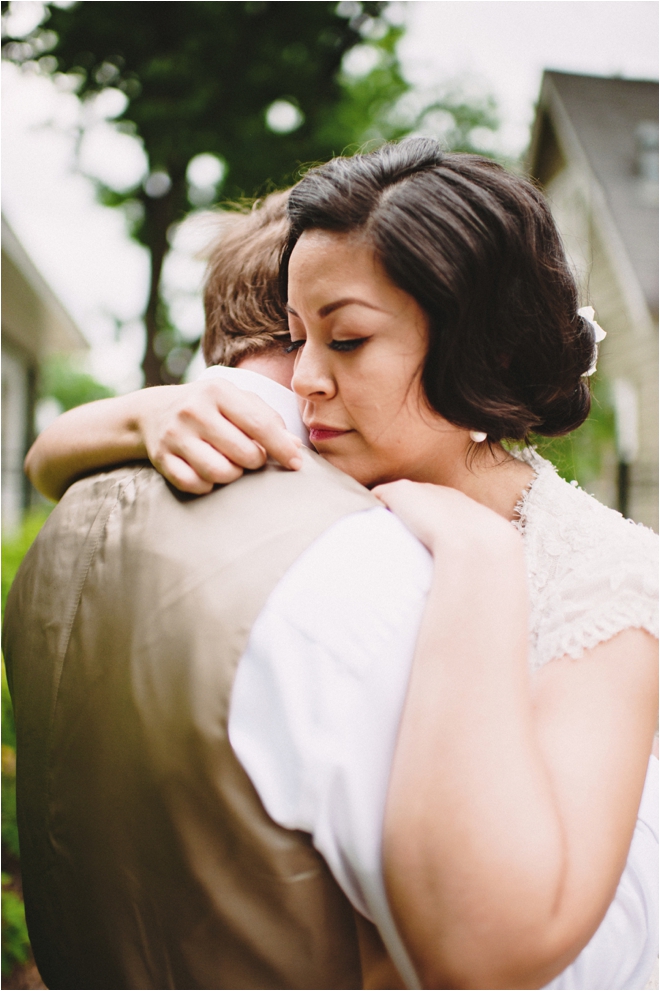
(329, 308)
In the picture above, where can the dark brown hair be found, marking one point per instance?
(476, 246)
(244, 311)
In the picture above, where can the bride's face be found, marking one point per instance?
(361, 343)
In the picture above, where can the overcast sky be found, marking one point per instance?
(487, 46)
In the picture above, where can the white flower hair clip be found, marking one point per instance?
(587, 313)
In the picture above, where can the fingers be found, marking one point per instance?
(210, 465)
(207, 434)
(443, 517)
(256, 420)
(187, 478)
(390, 492)
(207, 441)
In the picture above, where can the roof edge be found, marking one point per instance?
(15, 250)
(550, 102)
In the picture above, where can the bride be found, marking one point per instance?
(434, 321)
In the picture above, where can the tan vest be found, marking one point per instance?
(148, 859)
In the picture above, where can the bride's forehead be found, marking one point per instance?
(325, 261)
(330, 247)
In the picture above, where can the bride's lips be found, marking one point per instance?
(319, 432)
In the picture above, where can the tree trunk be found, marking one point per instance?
(159, 217)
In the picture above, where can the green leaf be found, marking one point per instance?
(15, 940)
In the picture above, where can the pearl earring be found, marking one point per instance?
(478, 436)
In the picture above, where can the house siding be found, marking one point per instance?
(605, 270)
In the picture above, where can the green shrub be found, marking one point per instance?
(9, 829)
(15, 941)
(60, 379)
(580, 454)
(15, 547)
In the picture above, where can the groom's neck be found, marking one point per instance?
(275, 365)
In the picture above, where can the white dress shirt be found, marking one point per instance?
(315, 712)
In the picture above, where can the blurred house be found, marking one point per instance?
(595, 152)
(34, 324)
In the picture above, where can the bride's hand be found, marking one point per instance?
(196, 435)
(443, 517)
(206, 433)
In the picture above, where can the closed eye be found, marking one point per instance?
(294, 346)
(350, 345)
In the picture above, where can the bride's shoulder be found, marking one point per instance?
(553, 510)
(592, 573)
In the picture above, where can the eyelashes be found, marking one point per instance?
(341, 346)
(351, 345)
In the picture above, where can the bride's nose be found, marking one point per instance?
(312, 378)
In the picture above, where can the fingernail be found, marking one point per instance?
(295, 463)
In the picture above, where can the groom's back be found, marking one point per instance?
(149, 861)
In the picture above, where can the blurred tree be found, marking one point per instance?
(228, 95)
(257, 85)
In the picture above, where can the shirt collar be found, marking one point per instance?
(279, 398)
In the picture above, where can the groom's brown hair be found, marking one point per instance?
(244, 311)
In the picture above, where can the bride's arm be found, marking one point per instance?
(503, 845)
(196, 435)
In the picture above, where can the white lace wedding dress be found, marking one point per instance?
(593, 574)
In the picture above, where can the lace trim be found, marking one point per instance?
(597, 629)
(591, 573)
(529, 457)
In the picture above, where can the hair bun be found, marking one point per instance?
(563, 403)
(565, 413)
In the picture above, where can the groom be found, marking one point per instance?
(151, 639)
(149, 859)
